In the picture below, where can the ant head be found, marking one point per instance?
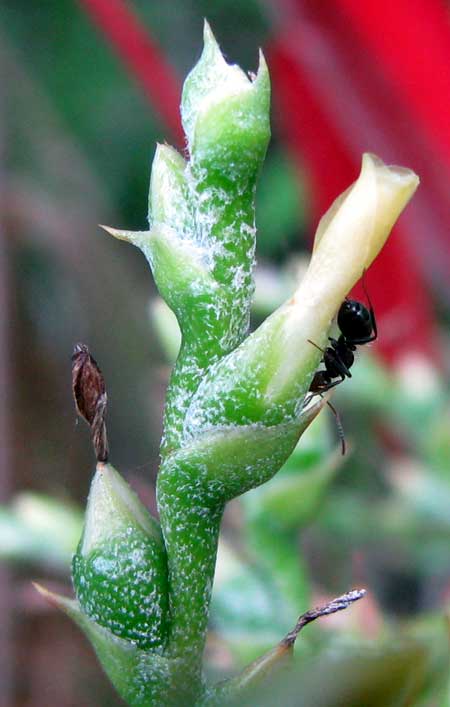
(354, 320)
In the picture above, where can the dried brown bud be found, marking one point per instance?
(88, 386)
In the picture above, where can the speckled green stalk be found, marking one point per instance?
(201, 241)
(234, 408)
(193, 486)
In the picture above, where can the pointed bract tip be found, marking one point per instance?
(310, 412)
(56, 600)
(134, 237)
(166, 153)
(113, 506)
(261, 81)
(42, 590)
(116, 232)
(162, 147)
(211, 47)
(208, 35)
(262, 65)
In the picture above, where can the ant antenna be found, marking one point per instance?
(363, 282)
(372, 313)
(339, 427)
(317, 347)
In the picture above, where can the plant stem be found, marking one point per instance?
(191, 531)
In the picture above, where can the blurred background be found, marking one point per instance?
(88, 88)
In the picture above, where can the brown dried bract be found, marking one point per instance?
(89, 392)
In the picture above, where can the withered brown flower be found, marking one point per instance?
(89, 392)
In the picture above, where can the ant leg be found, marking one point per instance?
(330, 385)
(308, 399)
(320, 389)
(365, 340)
(333, 358)
(339, 427)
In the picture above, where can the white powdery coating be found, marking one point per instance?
(122, 585)
(191, 536)
(223, 232)
(177, 213)
(234, 390)
(226, 119)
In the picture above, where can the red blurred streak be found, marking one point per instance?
(393, 282)
(411, 40)
(323, 135)
(322, 138)
(144, 60)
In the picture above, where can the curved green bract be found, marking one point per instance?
(120, 568)
(123, 587)
(142, 678)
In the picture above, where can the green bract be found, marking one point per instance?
(120, 567)
(234, 409)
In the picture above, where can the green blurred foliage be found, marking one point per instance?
(79, 140)
(279, 211)
(39, 530)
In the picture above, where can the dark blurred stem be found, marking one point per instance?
(6, 670)
(272, 664)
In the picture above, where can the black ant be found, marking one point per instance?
(358, 326)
